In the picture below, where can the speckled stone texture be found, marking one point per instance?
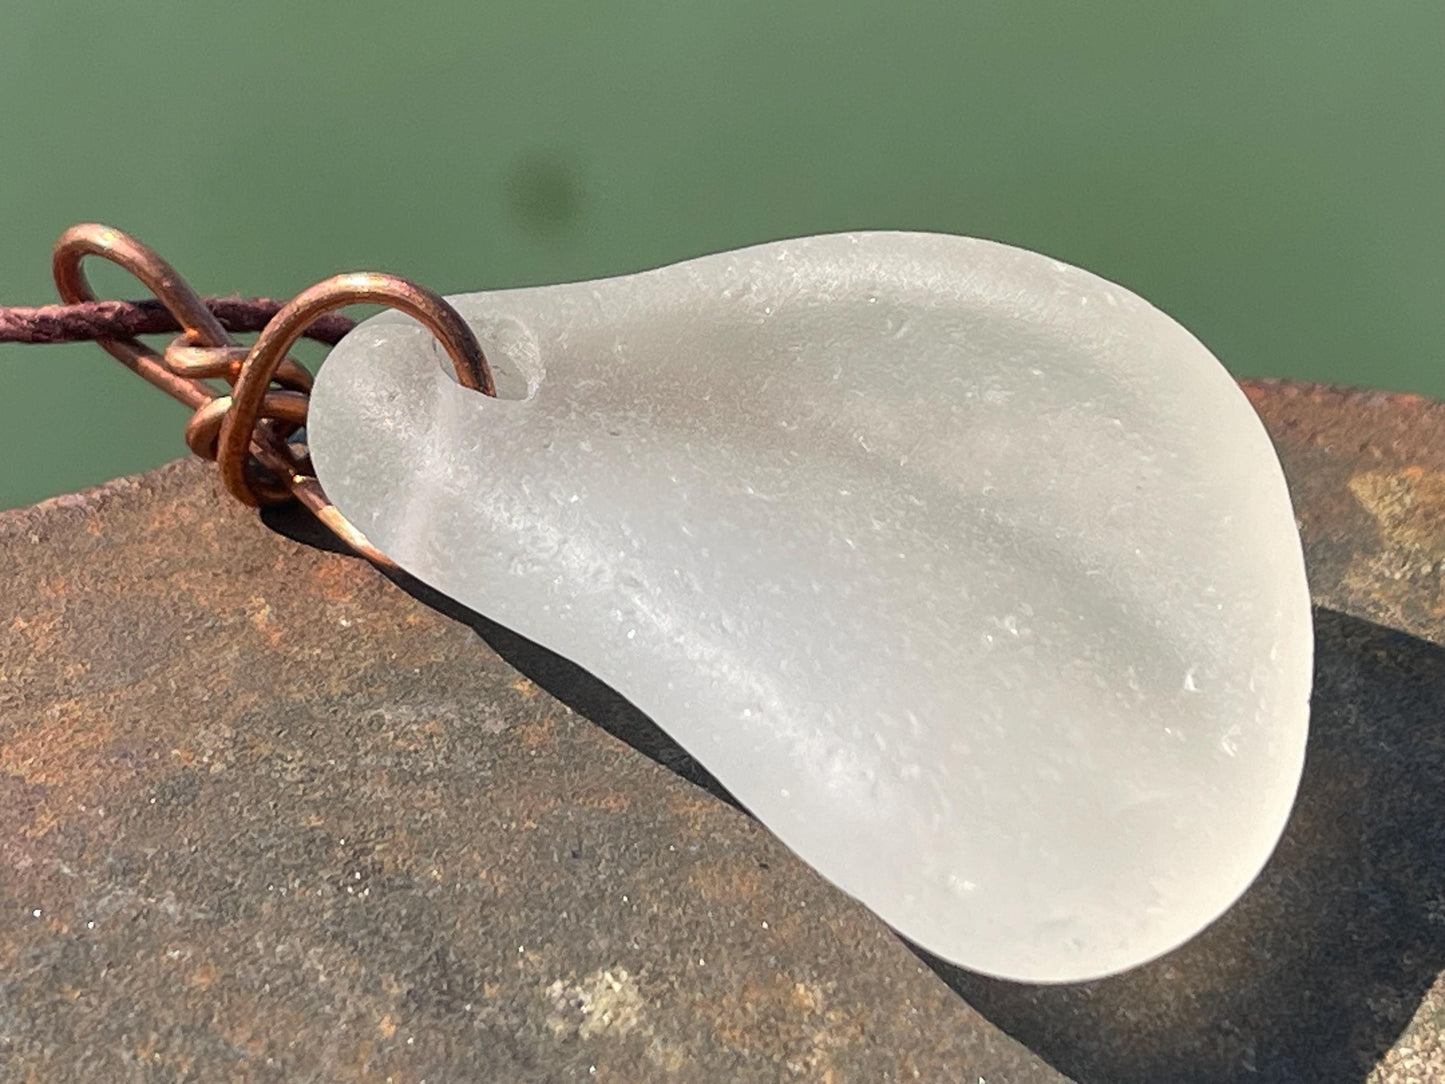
(264, 815)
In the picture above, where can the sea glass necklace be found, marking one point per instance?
(970, 574)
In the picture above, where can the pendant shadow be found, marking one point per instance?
(563, 679)
(1310, 977)
(1316, 971)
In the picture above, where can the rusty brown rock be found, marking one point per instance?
(264, 815)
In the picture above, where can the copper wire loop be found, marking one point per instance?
(247, 432)
(286, 327)
(202, 362)
(203, 431)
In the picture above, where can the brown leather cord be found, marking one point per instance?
(91, 320)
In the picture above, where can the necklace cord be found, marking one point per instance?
(248, 402)
(87, 321)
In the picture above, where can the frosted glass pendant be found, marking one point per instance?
(972, 575)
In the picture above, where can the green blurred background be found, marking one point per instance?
(1271, 174)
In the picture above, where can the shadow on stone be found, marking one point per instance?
(293, 521)
(1316, 971)
(1310, 977)
(565, 680)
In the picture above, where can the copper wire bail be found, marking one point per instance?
(247, 432)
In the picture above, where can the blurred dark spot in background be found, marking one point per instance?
(544, 193)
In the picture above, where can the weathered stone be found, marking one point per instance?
(264, 815)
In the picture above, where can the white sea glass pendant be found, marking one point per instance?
(972, 575)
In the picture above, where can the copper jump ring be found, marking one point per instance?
(200, 329)
(247, 431)
(203, 431)
(161, 279)
(201, 362)
(286, 327)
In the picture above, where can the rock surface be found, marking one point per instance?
(264, 815)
